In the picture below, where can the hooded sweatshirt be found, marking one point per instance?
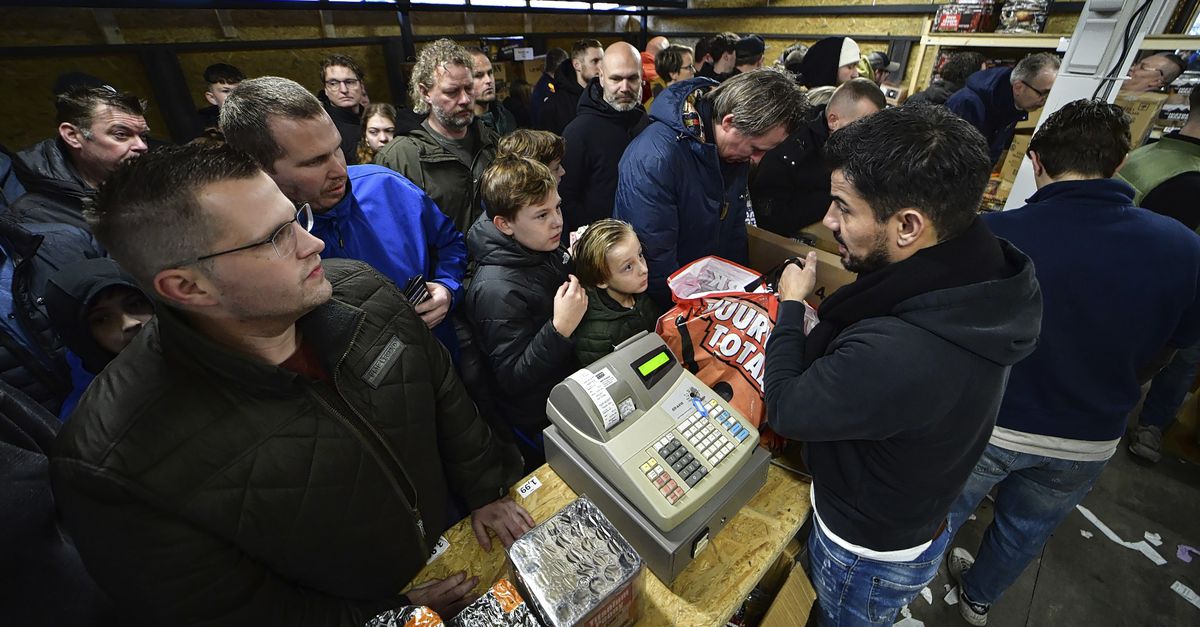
(987, 103)
(54, 191)
(821, 62)
(560, 108)
(596, 139)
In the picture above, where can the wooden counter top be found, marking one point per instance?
(707, 592)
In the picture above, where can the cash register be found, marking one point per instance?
(663, 456)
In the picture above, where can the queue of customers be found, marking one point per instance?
(256, 376)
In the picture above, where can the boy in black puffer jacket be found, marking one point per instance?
(523, 303)
(610, 264)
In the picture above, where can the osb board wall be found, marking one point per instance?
(30, 118)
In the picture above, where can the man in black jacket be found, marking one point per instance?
(572, 76)
(342, 89)
(276, 447)
(31, 355)
(610, 116)
(99, 128)
(896, 390)
(952, 77)
(789, 189)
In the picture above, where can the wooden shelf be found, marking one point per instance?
(1045, 41)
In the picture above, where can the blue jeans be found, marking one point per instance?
(1035, 493)
(1168, 389)
(854, 590)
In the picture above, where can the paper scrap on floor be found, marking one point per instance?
(1187, 593)
(1154, 538)
(927, 594)
(1141, 545)
(1086, 534)
(908, 620)
(951, 597)
(1185, 553)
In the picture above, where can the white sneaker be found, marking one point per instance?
(958, 562)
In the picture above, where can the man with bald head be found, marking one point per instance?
(1153, 73)
(649, 73)
(610, 115)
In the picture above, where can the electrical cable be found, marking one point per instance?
(1126, 43)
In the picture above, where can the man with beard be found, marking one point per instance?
(610, 116)
(570, 79)
(363, 212)
(98, 129)
(285, 441)
(342, 90)
(896, 390)
(447, 155)
(487, 108)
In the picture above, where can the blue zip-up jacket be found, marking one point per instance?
(681, 199)
(987, 103)
(1119, 283)
(389, 223)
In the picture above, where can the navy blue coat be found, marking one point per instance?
(682, 201)
(987, 103)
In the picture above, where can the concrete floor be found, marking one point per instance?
(1093, 581)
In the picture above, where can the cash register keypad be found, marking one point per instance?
(713, 443)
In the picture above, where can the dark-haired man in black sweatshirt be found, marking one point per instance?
(896, 389)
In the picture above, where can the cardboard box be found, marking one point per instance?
(1012, 164)
(532, 69)
(795, 604)
(819, 235)
(1143, 108)
(768, 250)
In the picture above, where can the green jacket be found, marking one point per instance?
(451, 183)
(1150, 166)
(607, 324)
(205, 488)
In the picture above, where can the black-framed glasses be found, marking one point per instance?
(282, 239)
(1143, 66)
(350, 83)
(1037, 91)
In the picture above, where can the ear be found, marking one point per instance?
(832, 119)
(503, 225)
(911, 225)
(1038, 168)
(208, 95)
(727, 122)
(602, 286)
(184, 287)
(71, 135)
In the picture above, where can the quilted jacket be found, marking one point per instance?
(204, 488)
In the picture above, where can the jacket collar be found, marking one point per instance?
(17, 241)
(1110, 192)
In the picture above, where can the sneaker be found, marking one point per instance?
(959, 562)
(1146, 443)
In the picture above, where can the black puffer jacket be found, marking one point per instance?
(936, 94)
(69, 292)
(789, 189)
(561, 107)
(53, 191)
(510, 304)
(349, 125)
(43, 581)
(607, 324)
(38, 251)
(596, 139)
(207, 488)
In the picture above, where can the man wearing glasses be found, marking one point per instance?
(283, 444)
(1153, 73)
(342, 95)
(994, 100)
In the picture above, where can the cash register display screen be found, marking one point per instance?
(653, 366)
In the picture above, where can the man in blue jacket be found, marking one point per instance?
(1121, 289)
(994, 100)
(682, 182)
(367, 212)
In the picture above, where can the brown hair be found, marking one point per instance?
(78, 105)
(512, 183)
(591, 251)
(338, 59)
(365, 153)
(541, 146)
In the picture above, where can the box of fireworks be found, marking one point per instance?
(965, 17)
(1012, 164)
(408, 616)
(502, 606)
(1143, 108)
(532, 69)
(768, 250)
(819, 235)
(795, 604)
(500, 70)
(576, 569)
(719, 328)
(894, 95)
(1024, 16)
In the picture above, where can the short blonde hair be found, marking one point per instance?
(542, 146)
(591, 251)
(512, 183)
(438, 54)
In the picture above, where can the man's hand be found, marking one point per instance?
(446, 596)
(503, 516)
(797, 284)
(435, 308)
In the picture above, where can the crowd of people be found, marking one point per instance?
(251, 379)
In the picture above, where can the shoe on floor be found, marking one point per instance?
(1146, 443)
(958, 562)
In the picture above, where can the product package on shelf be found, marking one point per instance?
(965, 17)
(576, 569)
(1024, 16)
(502, 606)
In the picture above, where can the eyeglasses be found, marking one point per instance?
(282, 240)
(350, 83)
(1142, 66)
(1040, 93)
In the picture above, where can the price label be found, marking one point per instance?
(438, 549)
(529, 487)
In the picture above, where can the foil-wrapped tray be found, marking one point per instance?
(407, 616)
(502, 606)
(577, 569)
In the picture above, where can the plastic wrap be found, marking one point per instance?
(502, 606)
(576, 569)
(408, 616)
(1024, 16)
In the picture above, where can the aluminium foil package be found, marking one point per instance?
(577, 569)
(502, 606)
